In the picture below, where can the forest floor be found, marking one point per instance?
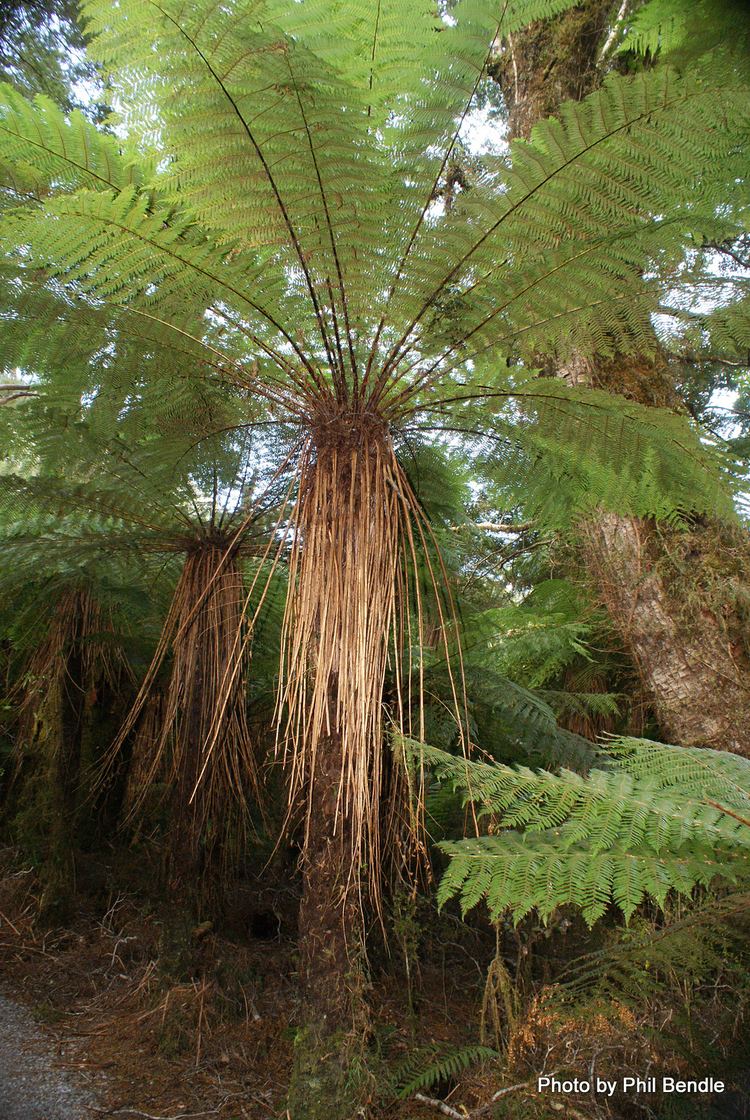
(106, 1012)
(155, 1044)
(108, 1017)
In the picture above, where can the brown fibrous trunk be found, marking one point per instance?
(348, 617)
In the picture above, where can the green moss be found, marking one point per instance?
(706, 568)
(330, 1079)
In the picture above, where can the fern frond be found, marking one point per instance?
(611, 835)
(518, 874)
(566, 450)
(427, 1065)
(667, 27)
(708, 935)
(308, 161)
(43, 149)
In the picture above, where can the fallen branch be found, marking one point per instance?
(485, 1108)
(151, 1116)
(441, 1106)
(482, 1110)
(495, 526)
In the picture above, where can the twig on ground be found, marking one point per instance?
(485, 1108)
(441, 1106)
(23, 948)
(151, 1116)
(482, 1110)
(5, 918)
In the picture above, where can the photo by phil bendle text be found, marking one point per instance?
(630, 1085)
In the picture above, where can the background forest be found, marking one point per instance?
(374, 556)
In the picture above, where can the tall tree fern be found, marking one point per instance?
(136, 489)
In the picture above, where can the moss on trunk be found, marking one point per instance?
(329, 1077)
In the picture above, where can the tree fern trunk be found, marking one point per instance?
(690, 647)
(328, 1048)
(336, 630)
(58, 871)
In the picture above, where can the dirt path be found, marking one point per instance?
(33, 1086)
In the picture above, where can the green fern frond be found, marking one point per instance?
(567, 450)
(426, 1066)
(519, 874)
(610, 836)
(308, 164)
(44, 150)
(707, 936)
(668, 27)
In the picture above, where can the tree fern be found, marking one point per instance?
(693, 941)
(44, 149)
(664, 27)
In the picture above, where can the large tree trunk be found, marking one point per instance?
(203, 750)
(676, 596)
(66, 711)
(549, 62)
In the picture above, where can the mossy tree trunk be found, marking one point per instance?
(328, 1070)
(551, 61)
(690, 647)
(66, 714)
(679, 598)
(55, 717)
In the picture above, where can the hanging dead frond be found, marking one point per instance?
(81, 630)
(356, 609)
(141, 772)
(209, 770)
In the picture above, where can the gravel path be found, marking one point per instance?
(32, 1084)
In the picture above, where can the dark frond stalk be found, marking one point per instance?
(450, 147)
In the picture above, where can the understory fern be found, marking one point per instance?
(706, 937)
(427, 1066)
(653, 819)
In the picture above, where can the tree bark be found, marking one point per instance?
(676, 596)
(549, 62)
